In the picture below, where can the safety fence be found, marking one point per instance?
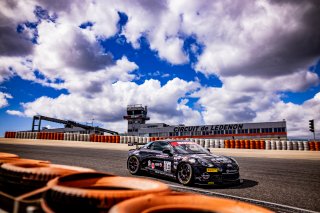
(206, 143)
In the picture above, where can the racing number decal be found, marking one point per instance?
(167, 166)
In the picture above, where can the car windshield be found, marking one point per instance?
(188, 148)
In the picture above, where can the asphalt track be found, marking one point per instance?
(292, 182)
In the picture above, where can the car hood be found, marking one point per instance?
(213, 158)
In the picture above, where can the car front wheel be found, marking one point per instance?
(185, 174)
(133, 165)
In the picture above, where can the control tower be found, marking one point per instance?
(136, 115)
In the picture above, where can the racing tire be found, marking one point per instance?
(184, 202)
(133, 165)
(17, 178)
(5, 155)
(95, 192)
(185, 174)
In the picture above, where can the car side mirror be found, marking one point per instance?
(208, 150)
(167, 151)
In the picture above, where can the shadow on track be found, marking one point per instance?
(246, 184)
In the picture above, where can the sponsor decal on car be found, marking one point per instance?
(167, 166)
(181, 143)
(212, 170)
(205, 176)
(149, 163)
(231, 171)
(152, 165)
(158, 164)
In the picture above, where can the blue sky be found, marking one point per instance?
(189, 62)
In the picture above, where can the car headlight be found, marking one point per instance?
(234, 160)
(192, 160)
(204, 163)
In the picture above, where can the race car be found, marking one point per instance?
(185, 161)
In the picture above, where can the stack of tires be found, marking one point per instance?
(76, 189)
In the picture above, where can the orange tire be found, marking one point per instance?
(61, 136)
(232, 144)
(252, 144)
(22, 177)
(312, 145)
(92, 137)
(317, 146)
(184, 202)
(242, 144)
(226, 144)
(262, 144)
(95, 192)
(21, 160)
(4, 155)
(238, 145)
(247, 144)
(39, 135)
(257, 142)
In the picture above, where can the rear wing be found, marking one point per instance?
(137, 144)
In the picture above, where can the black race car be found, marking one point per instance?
(184, 161)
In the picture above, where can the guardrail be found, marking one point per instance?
(206, 143)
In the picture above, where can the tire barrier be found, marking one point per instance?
(211, 143)
(226, 144)
(317, 146)
(237, 144)
(183, 202)
(278, 145)
(257, 144)
(10, 134)
(262, 144)
(232, 144)
(21, 160)
(311, 145)
(202, 141)
(95, 192)
(206, 143)
(4, 155)
(242, 144)
(284, 145)
(295, 145)
(268, 144)
(252, 144)
(305, 146)
(272, 145)
(289, 145)
(22, 177)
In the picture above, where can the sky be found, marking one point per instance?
(191, 62)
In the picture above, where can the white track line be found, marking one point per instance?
(244, 198)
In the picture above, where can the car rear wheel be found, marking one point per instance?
(185, 174)
(133, 165)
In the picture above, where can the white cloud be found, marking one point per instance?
(257, 49)
(109, 105)
(3, 99)
(225, 106)
(14, 112)
(297, 116)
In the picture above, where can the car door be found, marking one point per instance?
(147, 154)
(162, 162)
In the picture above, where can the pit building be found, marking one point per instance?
(137, 126)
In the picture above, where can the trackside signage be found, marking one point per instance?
(207, 128)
